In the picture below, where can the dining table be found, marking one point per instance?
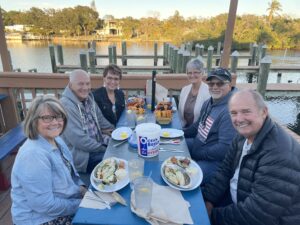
(122, 215)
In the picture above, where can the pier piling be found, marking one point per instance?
(52, 58)
(83, 61)
(124, 53)
(92, 60)
(264, 70)
(234, 61)
(210, 51)
(155, 54)
(60, 56)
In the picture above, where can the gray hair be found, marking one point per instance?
(37, 106)
(257, 97)
(195, 63)
(73, 75)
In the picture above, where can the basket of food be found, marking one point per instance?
(163, 113)
(136, 104)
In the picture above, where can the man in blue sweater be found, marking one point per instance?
(209, 138)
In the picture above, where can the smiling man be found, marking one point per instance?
(261, 170)
(209, 138)
(86, 123)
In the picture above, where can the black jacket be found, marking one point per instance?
(105, 104)
(268, 189)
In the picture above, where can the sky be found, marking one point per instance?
(166, 8)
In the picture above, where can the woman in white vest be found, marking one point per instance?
(193, 95)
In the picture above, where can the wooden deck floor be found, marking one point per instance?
(5, 200)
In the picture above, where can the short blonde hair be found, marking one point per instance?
(37, 106)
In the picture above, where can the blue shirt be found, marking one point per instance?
(42, 186)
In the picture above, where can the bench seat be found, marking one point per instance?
(9, 142)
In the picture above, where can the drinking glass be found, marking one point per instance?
(135, 169)
(142, 187)
(131, 118)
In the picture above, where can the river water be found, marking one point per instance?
(35, 54)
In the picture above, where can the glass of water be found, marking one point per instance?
(135, 169)
(142, 187)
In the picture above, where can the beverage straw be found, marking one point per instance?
(153, 90)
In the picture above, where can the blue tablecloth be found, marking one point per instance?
(122, 215)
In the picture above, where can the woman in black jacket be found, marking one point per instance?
(110, 98)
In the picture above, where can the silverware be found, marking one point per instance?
(169, 150)
(120, 143)
(97, 196)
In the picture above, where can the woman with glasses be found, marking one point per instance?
(193, 95)
(46, 188)
(110, 98)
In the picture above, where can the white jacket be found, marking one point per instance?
(203, 95)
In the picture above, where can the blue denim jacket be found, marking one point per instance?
(42, 187)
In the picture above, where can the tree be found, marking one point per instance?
(273, 9)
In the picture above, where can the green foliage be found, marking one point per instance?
(274, 30)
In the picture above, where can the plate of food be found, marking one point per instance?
(181, 173)
(171, 133)
(110, 175)
(121, 133)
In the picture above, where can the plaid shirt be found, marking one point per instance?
(89, 120)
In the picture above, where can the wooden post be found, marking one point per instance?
(202, 50)
(210, 51)
(263, 51)
(155, 54)
(60, 56)
(92, 58)
(83, 61)
(110, 54)
(264, 70)
(253, 56)
(186, 57)
(166, 59)
(169, 53)
(229, 33)
(219, 48)
(165, 51)
(179, 61)
(279, 77)
(52, 58)
(114, 47)
(197, 50)
(175, 59)
(124, 53)
(93, 45)
(258, 54)
(234, 61)
(6, 62)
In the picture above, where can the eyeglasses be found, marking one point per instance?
(218, 84)
(49, 119)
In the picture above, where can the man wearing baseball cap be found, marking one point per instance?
(209, 138)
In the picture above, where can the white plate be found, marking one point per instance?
(117, 133)
(114, 187)
(195, 173)
(172, 133)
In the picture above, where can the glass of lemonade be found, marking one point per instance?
(135, 169)
(142, 187)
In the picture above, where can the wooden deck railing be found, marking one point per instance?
(21, 88)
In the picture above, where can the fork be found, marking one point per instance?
(98, 197)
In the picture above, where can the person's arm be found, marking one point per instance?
(217, 151)
(75, 134)
(275, 188)
(36, 181)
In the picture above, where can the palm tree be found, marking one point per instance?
(273, 9)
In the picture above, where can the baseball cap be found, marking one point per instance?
(220, 73)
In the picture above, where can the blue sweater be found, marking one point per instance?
(213, 140)
(42, 186)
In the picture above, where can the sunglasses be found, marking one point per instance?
(218, 84)
(49, 119)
